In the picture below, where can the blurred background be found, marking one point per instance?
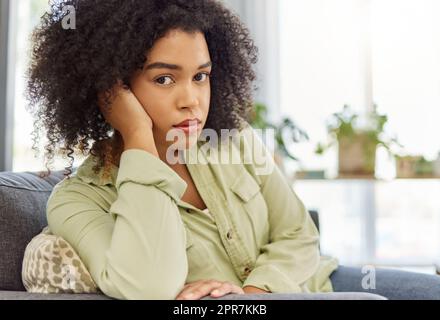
(352, 88)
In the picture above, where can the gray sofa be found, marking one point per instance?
(23, 198)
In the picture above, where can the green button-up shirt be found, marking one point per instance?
(139, 240)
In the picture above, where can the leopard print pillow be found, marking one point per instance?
(51, 265)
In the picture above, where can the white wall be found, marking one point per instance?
(261, 17)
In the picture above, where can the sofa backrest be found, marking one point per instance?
(23, 198)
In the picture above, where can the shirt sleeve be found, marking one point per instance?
(137, 250)
(292, 255)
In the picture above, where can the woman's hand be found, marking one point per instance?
(128, 116)
(199, 289)
(126, 113)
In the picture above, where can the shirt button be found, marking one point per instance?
(188, 210)
(229, 235)
(247, 270)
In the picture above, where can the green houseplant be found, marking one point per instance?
(285, 132)
(414, 167)
(357, 142)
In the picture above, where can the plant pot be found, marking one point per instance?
(410, 167)
(357, 156)
(406, 166)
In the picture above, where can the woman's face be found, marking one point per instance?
(174, 85)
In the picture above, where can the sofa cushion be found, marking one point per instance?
(20, 295)
(23, 197)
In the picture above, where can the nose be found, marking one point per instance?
(188, 97)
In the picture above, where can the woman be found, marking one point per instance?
(142, 79)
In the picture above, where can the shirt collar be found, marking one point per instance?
(85, 172)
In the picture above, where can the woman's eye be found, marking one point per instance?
(160, 80)
(167, 80)
(202, 74)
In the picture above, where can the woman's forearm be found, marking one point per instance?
(253, 290)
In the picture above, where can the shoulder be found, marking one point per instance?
(70, 188)
(75, 192)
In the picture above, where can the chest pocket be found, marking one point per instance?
(249, 195)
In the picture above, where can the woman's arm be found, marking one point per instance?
(292, 255)
(137, 250)
(253, 290)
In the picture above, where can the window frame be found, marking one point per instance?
(7, 82)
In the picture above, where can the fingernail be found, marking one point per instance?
(215, 292)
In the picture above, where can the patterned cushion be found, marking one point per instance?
(51, 265)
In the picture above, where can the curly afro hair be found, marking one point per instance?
(70, 67)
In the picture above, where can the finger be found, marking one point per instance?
(191, 284)
(187, 286)
(227, 288)
(237, 290)
(200, 290)
(197, 283)
(205, 288)
(185, 291)
(116, 88)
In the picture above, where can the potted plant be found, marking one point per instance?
(413, 167)
(357, 142)
(285, 132)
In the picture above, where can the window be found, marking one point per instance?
(358, 52)
(28, 16)
(406, 70)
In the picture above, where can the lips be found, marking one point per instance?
(188, 122)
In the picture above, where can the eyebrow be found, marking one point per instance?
(163, 65)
